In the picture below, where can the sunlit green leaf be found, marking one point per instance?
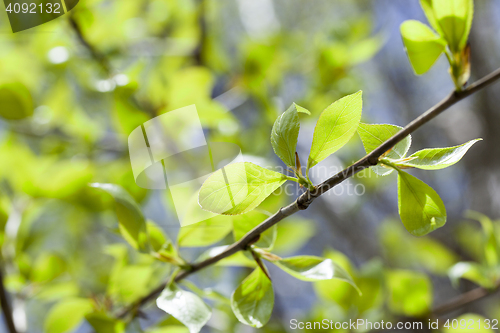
(410, 292)
(238, 188)
(15, 101)
(455, 20)
(67, 315)
(373, 136)
(204, 233)
(420, 207)
(335, 127)
(423, 46)
(131, 220)
(284, 135)
(253, 301)
(311, 268)
(429, 13)
(438, 158)
(185, 306)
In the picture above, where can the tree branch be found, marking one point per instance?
(465, 299)
(6, 309)
(308, 197)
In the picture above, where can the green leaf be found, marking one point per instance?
(157, 238)
(438, 158)
(410, 292)
(103, 323)
(373, 136)
(422, 45)
(491, 244)
(238, 259)
(16, 102)
(242, 224)
(204, 233)
(301, 109)
(293, 234)
(132, 224)
(238, 188)
(185, 306)
(420, 207)
(311, 268)
(429, 13)
(470, 271)
(253, 301)
(67, 315)
(335, 127)
(470, 322)
(455, 20)
(284, 135)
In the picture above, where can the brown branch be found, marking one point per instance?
(465, 299)
(6, 309)
(308, 197)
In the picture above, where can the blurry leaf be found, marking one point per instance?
(311, 268)
(455, 20)
(185, 306)
(169, 329)
(204, 233)
(373, 136)
(131, 221)
(238, 188)
(365, 50)
(15, 101)
(253, 301)
(47, 267)
(157, 238)
(491, 243)
(420, 207)
(66, 315)
(410, 293)
(335, 127)
(102, 323)
(293, 234)
(284, 135)
(58, 290)
(470, 322)
(423, 46)
(437, 158)
(237, 259)
(368, 280)
(128, 283)
(242, 224)
(470, 271)
(405, 251)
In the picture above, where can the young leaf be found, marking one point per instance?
(455, 20)
(373, 136)
(335, 126)
(253, 301)
(238, 188)
(16, 101)
(311, 268)
(420, 207)
(437, 158)
(131, 221)
(204, 233)
(184, 306)
(284, 135)
(67, 315)
(422, 45)
(429, 13)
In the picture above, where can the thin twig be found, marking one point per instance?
(6, 309)
(465, 299)
(308, 197)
